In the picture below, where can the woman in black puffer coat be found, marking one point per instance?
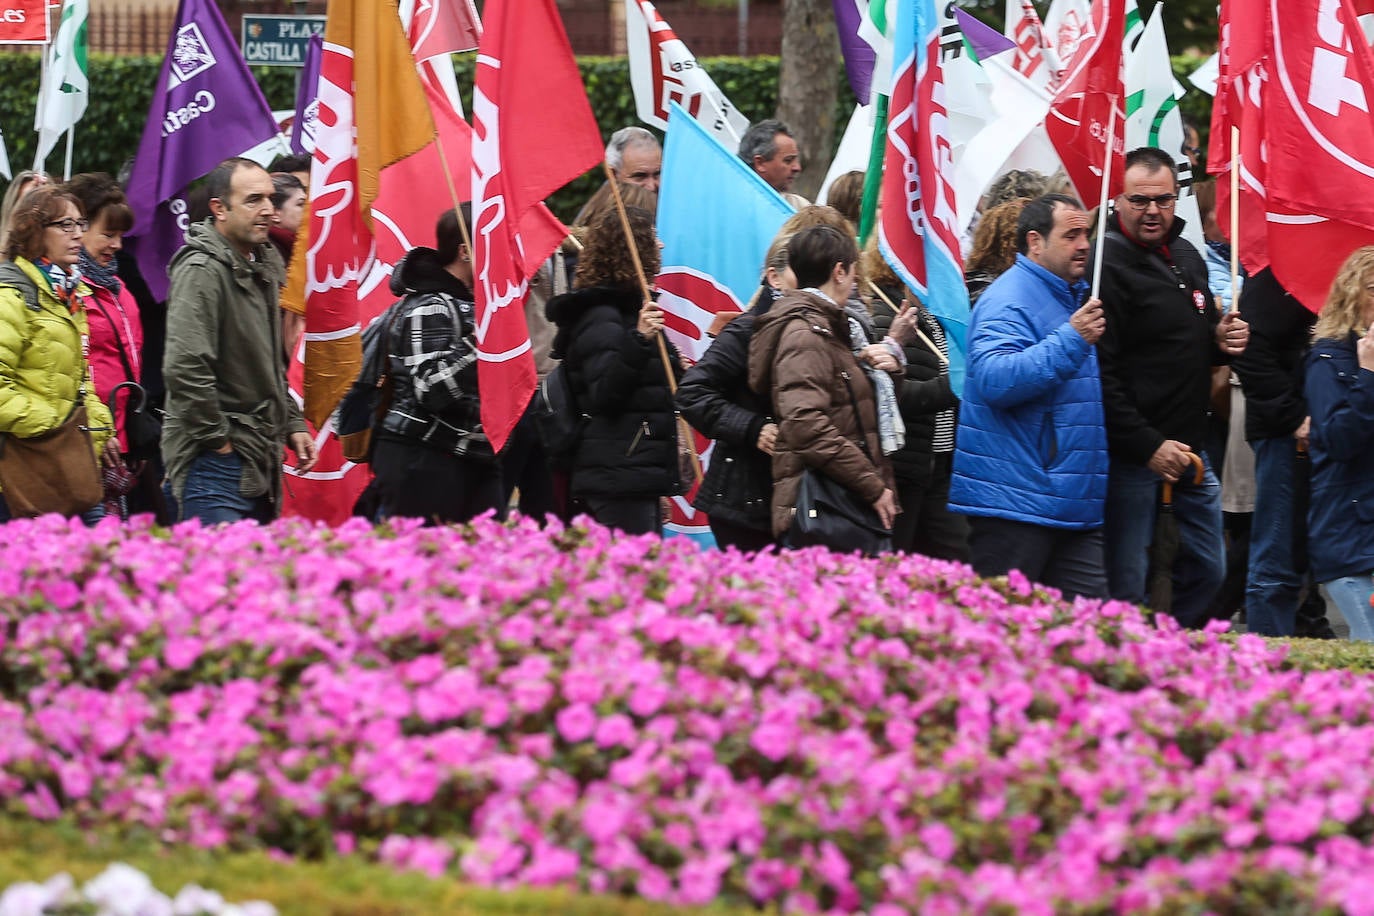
(627, 459)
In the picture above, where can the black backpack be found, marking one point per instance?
(368, 398)
(557, 418)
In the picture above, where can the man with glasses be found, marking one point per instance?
(228, 409)
(1163, 335)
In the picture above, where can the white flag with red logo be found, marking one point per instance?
(918, 231)
(1090, 102)
(533, 132)
(1069, 24)
(1298, 80)
(663, 71)
(1035, 59)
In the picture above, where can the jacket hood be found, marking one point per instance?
(565, 310)
(824, 317)
(421, 271)
(204, 239)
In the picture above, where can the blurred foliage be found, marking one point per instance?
(337, 886)
(122, 89)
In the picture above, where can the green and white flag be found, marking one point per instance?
(1153, 117)
(62, 97)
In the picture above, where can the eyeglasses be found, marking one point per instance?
(70, 226)
(1142, 202)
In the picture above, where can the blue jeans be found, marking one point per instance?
(1274, 582)
(1200, 567)
(1351, 594)
(212, 495)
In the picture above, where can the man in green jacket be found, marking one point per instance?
(229, 413)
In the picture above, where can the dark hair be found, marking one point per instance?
(31, 216)
(291, 163)
(605, 259)
(221, 178)
(847, 195)
(1153, 159)
(1038, 216)
(100, 194)
(448, 238)
(1206, 194)
(813, 253)
(761, 140)
(283, 185)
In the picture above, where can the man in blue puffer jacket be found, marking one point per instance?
(1030, 466)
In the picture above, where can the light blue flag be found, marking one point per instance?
(716, 218)
(918, 232)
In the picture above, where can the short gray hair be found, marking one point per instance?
(761, 140)
(625, 138)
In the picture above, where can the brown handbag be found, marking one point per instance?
(52, 472)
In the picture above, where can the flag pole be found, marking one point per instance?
(1235, 216)
(644, 288)
(452, 190)
(67, 163)
(39, 161)
(1102, 202)
(944, 360)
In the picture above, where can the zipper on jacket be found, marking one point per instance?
(641, 433)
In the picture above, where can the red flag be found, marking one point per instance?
(533, 132)
(1298, 80)
(1091, 96)
(442, 27)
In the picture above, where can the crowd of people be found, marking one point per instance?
(1147, 443)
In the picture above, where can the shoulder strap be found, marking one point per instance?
(119, 340)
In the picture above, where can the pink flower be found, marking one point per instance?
(576, 722)
(615, 730)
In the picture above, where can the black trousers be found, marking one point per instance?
(1072, 561)
(630, 514)
(415, 481)
(925, 525)
(742, 538)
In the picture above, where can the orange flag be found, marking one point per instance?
(369, 90)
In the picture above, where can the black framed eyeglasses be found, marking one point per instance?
(1142, 201)
(69, 225)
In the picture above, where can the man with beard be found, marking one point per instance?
(1030, 460)
(228, 409)
(1164, 334)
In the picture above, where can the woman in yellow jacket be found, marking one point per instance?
(44, 339)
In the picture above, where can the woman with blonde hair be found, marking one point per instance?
(25, 180)
(994, 247)
(1340, 400)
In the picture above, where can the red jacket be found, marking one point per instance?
(115, 327)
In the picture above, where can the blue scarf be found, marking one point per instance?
(105, 277)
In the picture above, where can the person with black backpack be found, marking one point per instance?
(430, 454)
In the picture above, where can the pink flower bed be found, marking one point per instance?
(514, 706)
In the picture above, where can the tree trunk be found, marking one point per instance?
(808, 86)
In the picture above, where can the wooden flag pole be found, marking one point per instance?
(453, 194)
(1102, 203)
(1235, 217)
(944, 360)
(683, 428)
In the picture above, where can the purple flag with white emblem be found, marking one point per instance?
(206, 107)
(308, 99)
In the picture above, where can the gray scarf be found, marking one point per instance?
(105, 277)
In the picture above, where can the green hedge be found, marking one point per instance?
(122, 91)
(122, 87)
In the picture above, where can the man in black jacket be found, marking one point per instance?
(1276, 424)
(1163, 336)
(432, 457)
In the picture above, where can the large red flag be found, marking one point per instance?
(1297, 79)
(533, 132)
(1090, 98)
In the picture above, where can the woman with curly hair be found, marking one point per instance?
(627, 457)
(994, 247)
(1340, 401)
(44, 335)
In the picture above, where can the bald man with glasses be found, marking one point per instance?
(1164, 333)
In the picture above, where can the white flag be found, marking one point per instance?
(1068, 24)
(62, 97)
(5, 159)
(663, 71)
(1035, 59)
(1153, 118)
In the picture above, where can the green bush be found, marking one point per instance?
(122, 88)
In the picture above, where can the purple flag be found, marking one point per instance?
(308, 99)
(982, 38)
(206, 107)
(859, 56)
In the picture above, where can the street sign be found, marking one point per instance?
(278, 40)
